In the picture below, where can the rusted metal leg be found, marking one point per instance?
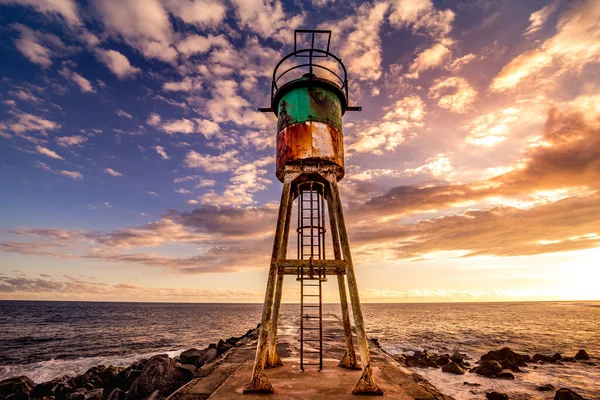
(259, 382)
(366, 384)
(349, 358)
(273, 359)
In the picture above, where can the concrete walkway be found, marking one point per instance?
(227, 379)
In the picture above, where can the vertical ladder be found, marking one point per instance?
(311, 246)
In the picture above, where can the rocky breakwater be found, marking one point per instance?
(496, 364)
(151, 379)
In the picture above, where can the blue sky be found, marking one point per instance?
(135, 166)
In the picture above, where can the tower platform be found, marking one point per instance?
(227, 380)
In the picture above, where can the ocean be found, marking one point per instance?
(47, 339)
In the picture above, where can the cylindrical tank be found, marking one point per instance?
(309, 124)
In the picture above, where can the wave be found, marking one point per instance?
(47, 370)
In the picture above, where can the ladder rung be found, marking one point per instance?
(310, 295)
(311, 340)
(311, 329)
(309, 317)
(311, 351)
(311, 306)
(310, 284)
(311, 364)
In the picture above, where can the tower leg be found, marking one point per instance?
(273, 359)
(349, 358)
(366, 383)
(259, 382)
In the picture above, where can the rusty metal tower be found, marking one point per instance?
(310, 162)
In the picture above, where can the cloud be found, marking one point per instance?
(48, 152)
(123, 114)
(429, 58)
(117, 63)
(31, 45)
(199, 44)
(143, 24)
(402, 119)
(264, 17)
(24, 95)
(112, 172)
(67, 141)
(100, 205)
(186, 85)
(84, 85)
(221, 163)
(25, 122)
(67, 9)
(161, 152)
(438, 166)
(460, 62)
(207, 127)
(421, 15)
(179, 126)
(576, 43)
(201, 13)
(539, 18)
(453, 93)
(153, 194)
(153, 119)
(68, 174)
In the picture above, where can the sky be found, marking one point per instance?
(134, 165)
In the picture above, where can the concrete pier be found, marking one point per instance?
(226, 378)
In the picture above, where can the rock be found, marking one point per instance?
(61, 390)
(471, 384)
(222, 347)
(234, 340)
(458, 358)
(17, 396)
(506, 375)
(18, 384)
(212, 346)
(507, 358)
(421, 359)
(117, 394)
(157, 375)
(209, 356)
(133, 375)
(568, 359)
(489, 368)
(542, 358)
(453, 368)
(123, 380)
(582, 355)
(184, 372)
(443, 360)
(567, 394)
(496, 396)
(77, 394)
(545, 388)
(557, 357)
(154, 396)
(109, 374)
(44, 389)
(191, 356)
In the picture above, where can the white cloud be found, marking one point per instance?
(207, 128)
(421, 15)
(68, 174)
(30, 45)
(23, 96)
(123, 114)
(65, 8)
(153, 194)
(182, 191)
(112, 172)
(186, 85)
(84, 85)
(179, 126)
(100, 205)
(153, 119)
(117, 63)
(453, 93)
(539, 18)
(428, 59)
(198, 44)
(161, 152)
(143, 24)
(438, 166)
(202, 13)
(461, 62)
(66, 141)
(25, 122)
(263, 17)
(47, 152)
(221, 163)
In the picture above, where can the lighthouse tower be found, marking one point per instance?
(309, 96)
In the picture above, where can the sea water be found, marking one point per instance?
(47, 339)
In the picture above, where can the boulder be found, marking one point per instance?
(191, 356)
(209, 356)
(184, 372)
(489, 368)
(154, 396)
(506, 374)
(234, 340)
(222, 347)
(17, 396)
(421, 359)
(17, 384)
(557, 357)
(61, 390)
(108, 374)
(582, 355)
(453, 368)
(496, 396)
(542, 358)
(123, 380)
(545, 388)
(157, 375)
(471, 384)
(568, 359)
(442, 360)
(44, 389)
(507, 358)
(117, 394)
(567, 394)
